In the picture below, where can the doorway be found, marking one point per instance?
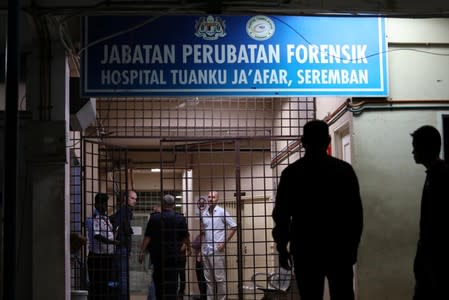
(344, 152)
(240, 171)
(343, 142)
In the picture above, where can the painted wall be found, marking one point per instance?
(48, 193)
(418, 58)
(327, 105)
(391, 183)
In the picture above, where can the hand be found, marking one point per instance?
(221, 247)
(141, 256)
(285, 260)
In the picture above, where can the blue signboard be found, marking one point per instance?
(234, 55)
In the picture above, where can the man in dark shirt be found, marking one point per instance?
(431, 265)
(319, 211)
(165, 234)
(121, 222)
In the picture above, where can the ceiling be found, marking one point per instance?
(62, 17)
(291, 7)
(67, 12)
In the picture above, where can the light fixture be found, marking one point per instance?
(155, 170)
(179, 197)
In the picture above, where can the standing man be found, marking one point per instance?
(165, 234)
(181, 267)
(121, 221)
(199, 266)
(100, 261)
(432, 257)
(218, 228)
(318, 211)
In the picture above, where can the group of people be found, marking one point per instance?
(167, 239)
(109, 248)
(319, 218)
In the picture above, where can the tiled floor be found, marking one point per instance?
(142, 297)
(138, 297)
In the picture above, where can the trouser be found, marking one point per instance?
(123, 271)
(431, 275)
(181, 270)
(165, 279)
(215, 275)
(101, 271)
(202, 286)
(151, 291)
(310, 280)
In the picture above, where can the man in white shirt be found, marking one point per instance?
(218, 227)
(101, 250)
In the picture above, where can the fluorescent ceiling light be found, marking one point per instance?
(178, 197)
(155, 170)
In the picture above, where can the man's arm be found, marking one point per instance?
(229, 234)
(356, 213)
(146, 241)
(143, 247)
(99, 226)
(105, 240)
(282, 217)
(186, 243)
(185, 248)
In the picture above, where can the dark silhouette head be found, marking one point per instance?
(101, 202)
(426, 144)
(315, 136)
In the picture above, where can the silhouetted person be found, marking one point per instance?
(165, 234)
(181, 268)
(121, 222)
(319, 211)
(199, 266)
(432, 257)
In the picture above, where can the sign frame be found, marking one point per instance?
(270, 49)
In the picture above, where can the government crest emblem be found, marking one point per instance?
(210, 28)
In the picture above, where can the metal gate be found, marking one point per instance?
(235, 146)
(241, 171)
(95, 168)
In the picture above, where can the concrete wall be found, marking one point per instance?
(418, 58)
(391, 183)
(44, 195)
